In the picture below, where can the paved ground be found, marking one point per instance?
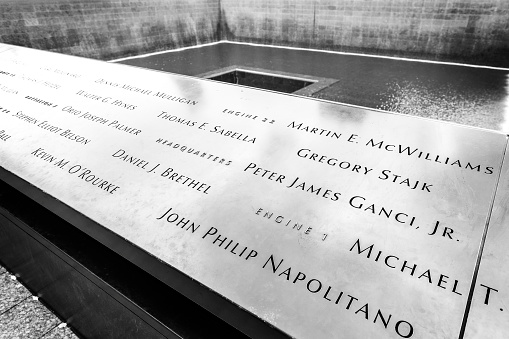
(23, 316)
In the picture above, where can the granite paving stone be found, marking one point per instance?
(11, 292)
(60, 332)
(28, 320)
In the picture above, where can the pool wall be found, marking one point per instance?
(104, 29)
(470, 31)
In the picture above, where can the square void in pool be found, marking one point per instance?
(268, 81)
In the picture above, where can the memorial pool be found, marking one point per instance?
(289, 217)
(470, 95)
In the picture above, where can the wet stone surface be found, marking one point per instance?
(28, 320)
(11, 293)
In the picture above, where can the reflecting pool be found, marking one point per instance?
(475, 96)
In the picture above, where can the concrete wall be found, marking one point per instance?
(108, 28)
(473, 31)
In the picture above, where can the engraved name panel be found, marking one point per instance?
(322, 219)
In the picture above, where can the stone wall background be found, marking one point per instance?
(471, 31)
(106, 29)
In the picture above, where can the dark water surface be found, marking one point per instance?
(462, 94)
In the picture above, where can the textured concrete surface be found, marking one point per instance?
(23, 316)
(29, 319)
(12, 293)
(60, 332)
